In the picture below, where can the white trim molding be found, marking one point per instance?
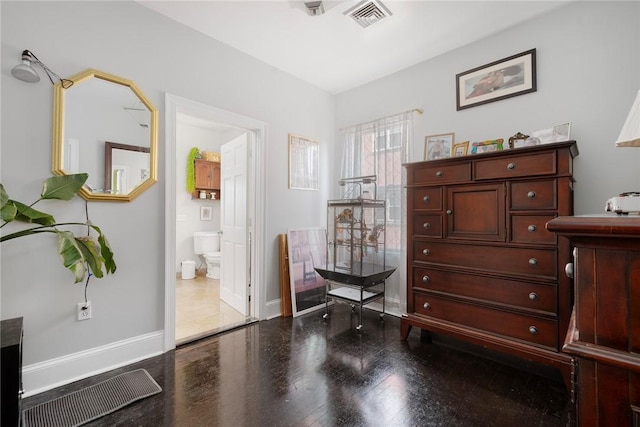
(43, 376)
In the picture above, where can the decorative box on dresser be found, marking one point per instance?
(481, 266)
(604, 334)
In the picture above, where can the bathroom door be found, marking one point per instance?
(234, 272)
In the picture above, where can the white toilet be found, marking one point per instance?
(207, 245)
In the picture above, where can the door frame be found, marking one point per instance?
(256, 215)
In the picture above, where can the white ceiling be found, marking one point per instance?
(334, 53)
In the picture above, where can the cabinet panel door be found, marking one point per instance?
(476, 212)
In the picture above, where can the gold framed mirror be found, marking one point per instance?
(104, 125)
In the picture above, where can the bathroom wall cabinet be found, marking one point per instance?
(481, 265)
(207, 178)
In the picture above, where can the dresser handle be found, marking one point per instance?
(531, 228)
(533, 330)
(511, 166)
(426, 251)
(426, 306)
(533, 296)
(439, 173)
(533, 261)
(426, 225)
(568, 270)
(531, 194)
(426, 279)
(449, 211)
(426, 199)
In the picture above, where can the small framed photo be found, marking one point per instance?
(438, 146)
(508, 77)
(205, 213)
(557, 133)
(487, 146)
(304, 163)
(460, 149)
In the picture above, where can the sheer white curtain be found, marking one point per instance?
(380, 148)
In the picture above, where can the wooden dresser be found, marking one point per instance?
(480, 264)
(605, 328)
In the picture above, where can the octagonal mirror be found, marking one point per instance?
(104, 125)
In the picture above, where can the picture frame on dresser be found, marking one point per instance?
(460, 149)
(438, 146)
(498, 80)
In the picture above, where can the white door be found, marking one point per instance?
(234, 267)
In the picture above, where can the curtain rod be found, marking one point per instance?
(415, 110)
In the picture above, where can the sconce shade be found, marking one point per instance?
(630, 134)
(25, 71)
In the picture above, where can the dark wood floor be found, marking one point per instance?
(308, 372)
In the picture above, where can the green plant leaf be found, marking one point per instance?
(8, 212)
(30, 215)
(71, 254)
(105, 251)
(91, 253)
(63, 187)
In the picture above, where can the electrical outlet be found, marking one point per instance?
(84, 310)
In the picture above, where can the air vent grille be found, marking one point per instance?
(368, 12)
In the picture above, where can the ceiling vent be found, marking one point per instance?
(314, 8)
(368, 12)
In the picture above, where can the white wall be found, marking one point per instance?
(588, 72)
(128, 40)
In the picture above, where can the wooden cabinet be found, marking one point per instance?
(605, 328)
(11, 371)
(207, 177)
(481, 265)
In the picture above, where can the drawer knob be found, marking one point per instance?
(533, 261)
(533, 330)
(426, 306)
(511, 166)
(426, 279)
(533, 296)
(426, 199)
(531, 194)
(449, 211)
(439, 173)
(568, 270)
(426, 225)
(531, 228)
(426, 251)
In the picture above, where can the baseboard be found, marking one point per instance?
(273, 309)
(43, 376)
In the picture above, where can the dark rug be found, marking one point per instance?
(82, 406)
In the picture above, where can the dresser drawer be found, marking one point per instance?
(516, 166)
(427, 199)
(526, 295)
(427, 225)
(509, 260)
(531, 229)
(438, 174)
(532, 329)
(526, 195)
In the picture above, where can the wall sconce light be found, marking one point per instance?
(27, 73)
(630, 133)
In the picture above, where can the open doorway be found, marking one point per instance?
(196, 307)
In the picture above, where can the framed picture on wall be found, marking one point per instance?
(307, 248)
(438, 146)
(304, 163)
(508, 77)
(205, 213)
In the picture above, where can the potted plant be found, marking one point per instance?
(84, 256)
